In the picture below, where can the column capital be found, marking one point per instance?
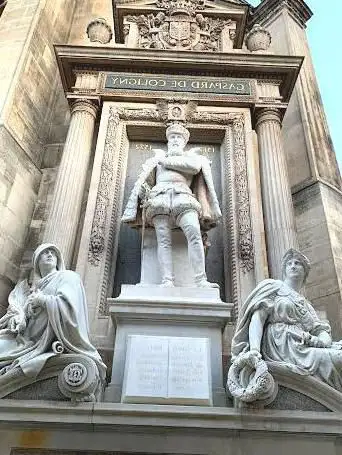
(268, 114)
(90, 106)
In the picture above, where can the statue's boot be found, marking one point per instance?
(164, 240)
(202, 282)
(189, 224)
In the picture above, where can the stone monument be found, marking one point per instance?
(176, 190)
(44, 334)
(169, 337)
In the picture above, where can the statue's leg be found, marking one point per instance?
(189, 224)
(163, 232)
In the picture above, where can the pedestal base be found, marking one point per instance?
(166, 316)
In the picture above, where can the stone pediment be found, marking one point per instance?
(181, 24)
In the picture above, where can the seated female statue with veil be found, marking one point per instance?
(278, 325)
(45, 325)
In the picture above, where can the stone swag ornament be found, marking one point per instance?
(45, 329)
(279, 327)
(176, 190)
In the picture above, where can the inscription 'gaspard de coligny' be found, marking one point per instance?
(177, 83)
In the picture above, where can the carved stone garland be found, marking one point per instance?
(180, 26)
(246, 247)
(97, 236)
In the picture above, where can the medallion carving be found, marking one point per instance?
(179, 26)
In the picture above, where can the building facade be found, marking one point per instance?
(87, 88)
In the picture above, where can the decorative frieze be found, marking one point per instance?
(97, 237)
(245, 235)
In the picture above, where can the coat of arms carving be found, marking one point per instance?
(180, 25)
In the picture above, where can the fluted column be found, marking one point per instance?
(276, 193)
(62, 223)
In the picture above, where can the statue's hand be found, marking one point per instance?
(35, 302)
(255, 353)
(158, 153)
(320, 341)
(17, 325)
(325, 339)
(195, 150)
(144, 191)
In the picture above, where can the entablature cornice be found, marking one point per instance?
(273, 76)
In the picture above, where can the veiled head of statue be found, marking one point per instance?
(44, 247)
(178, 129)
(292, 255)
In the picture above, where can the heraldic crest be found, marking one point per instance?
(180, 25)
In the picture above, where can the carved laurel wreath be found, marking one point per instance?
(249, 380)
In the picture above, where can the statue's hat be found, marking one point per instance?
(178, 128)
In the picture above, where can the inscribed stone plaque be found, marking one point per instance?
(147, 369)
(172, 83)
(170, 370)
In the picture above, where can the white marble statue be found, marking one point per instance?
(278, 325)
(45, 318)
(176, 190)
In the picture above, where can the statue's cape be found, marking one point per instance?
(261, 296)
(202, 188)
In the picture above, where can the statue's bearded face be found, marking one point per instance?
(176, 144)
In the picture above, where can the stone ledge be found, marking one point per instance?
(158, 308)
(121, 417)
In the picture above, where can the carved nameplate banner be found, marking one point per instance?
(215, 85)
(170, 370)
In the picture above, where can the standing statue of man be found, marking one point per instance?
(176, 190)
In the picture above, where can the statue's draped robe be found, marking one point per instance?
(290, 317)
(63, 319)
(202, 188)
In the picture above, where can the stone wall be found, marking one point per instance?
(319, 233)
(31, 98)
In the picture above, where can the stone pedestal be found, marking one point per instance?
(276, 193)
(168, 346)
(61, 226)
